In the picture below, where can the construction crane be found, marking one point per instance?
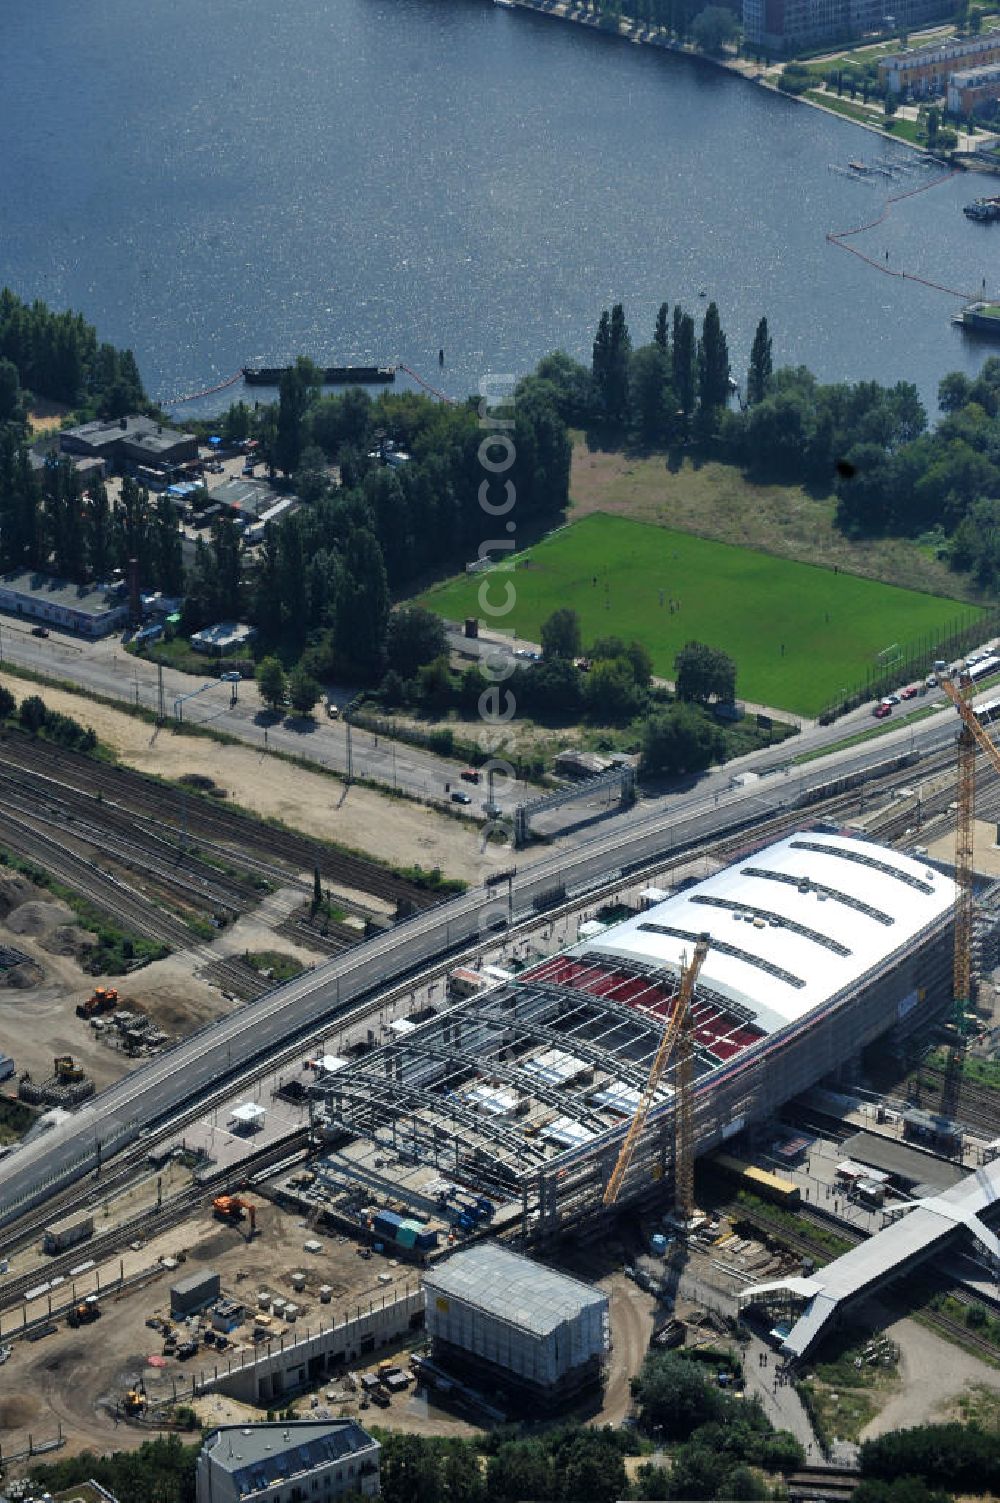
(971, 738)
(679, 1031)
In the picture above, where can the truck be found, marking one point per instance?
(102, 999)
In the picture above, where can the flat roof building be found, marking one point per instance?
(130, 442)
(91, 610)
(222, 638)
(925, 71)
(534, 1331)
(275, 1463)
(972, 89)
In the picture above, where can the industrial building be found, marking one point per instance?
(91, 610)
(506, 1321)
(130, 443)
(275, 1463)
(522, 1094)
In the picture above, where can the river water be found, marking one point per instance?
(217, 182)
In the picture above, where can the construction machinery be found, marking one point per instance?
(66, 1068)
(102, 999)
(84, 1313)
(679, 1034)
(972, 737)
(136, 1401)
(230, 1208)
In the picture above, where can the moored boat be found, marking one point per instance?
(980, 318)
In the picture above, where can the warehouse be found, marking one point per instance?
(818, 945)
(503, 1320)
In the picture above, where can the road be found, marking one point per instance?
(104, 668)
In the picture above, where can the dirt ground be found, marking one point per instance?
(934, 1373)
(38, 1000)
(397, 830)
(71, 1376)
(717, 501)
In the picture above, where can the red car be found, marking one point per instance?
(881, 711)
(910, 692)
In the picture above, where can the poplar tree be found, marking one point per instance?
(759, 374)
(660, 332)
(683, 361)
(713, 367)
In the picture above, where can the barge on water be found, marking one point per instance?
(980, 318)
(983, 210)
(333, 375)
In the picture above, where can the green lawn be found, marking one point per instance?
(799, 634)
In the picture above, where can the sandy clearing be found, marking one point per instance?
(318, 804)
(934, 1374)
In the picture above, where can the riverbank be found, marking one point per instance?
(629, 30)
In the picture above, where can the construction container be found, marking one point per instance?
(406, 1233)
(60, 1235)
(263, 1300)
(325, 1294)
(426, 1240)
(537, 1332)
(196, 1292)
(226, 1315)
(387, 1224)
(298, 1282)
(278, 1307)
(291, 1312)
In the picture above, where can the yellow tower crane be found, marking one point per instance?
(972, 737)
(678, 1033)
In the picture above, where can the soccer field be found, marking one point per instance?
(799, 635)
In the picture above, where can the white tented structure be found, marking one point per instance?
(504, 1320)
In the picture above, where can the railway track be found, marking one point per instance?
(978, 1105)
(781, 1232)
(153, 1220)
(230, 828)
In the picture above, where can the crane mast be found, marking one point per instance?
(972, 737)
(679, 1032)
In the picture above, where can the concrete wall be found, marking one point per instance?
(283, 1367)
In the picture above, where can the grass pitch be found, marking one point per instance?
(799, 634)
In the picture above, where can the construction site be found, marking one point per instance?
(699, 1096)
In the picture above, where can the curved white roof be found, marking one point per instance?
(791, 925)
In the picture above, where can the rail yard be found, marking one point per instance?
(455, 1074)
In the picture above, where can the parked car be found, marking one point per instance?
(458, 797)
(881, 711)
(39, 631)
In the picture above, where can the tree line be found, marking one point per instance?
(323, 580)
(58, 356)
(867, 444)
(49, 523)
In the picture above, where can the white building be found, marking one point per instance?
(288, 1463)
